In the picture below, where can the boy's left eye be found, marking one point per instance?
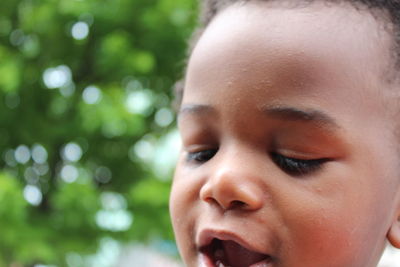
(201, 156)
(297, 167)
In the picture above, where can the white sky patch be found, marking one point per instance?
(152, 255)
(80, 30)
(106, 256)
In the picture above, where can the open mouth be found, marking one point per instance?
(228, 253)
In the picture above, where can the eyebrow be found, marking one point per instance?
(195, 109)
(286, 113)
(296, 114)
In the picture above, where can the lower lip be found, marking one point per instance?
(264, 263)
(205, 261)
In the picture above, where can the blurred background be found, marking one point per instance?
(87, 132)
(87, 135)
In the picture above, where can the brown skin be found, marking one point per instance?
(305, 83)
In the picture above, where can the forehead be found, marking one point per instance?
(308, 43)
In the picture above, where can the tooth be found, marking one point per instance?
(219, 263)
(264, 263)
(202, 262)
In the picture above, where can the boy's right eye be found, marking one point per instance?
(201, 156)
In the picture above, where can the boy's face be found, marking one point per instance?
(289, 157)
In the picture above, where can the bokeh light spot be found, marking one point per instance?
(164, 117)
(12, 100)
(31, 46)
(114, 216)
(139, 102)
(9, 158)
(91, 95)
(31, 176)
(80, 30)
(144, 150)
(68, 90)
(22, 154)
(17, 37)
(166, 154)
(33, 195)
(119, 220)
(41, 169)
(57, 77)
(72, 152)
(69, 173)
(113, 201)
(114, 128)
(74, 259)
(103, 175)
(39, 154)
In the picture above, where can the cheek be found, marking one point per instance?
(184, 193)
(180, 222)
(340, 227)
(183, 211)
(180, 205)
(180, 198)
(322, 237)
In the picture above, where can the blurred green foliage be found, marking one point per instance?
(86, 124)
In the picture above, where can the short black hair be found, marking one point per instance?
(386, 10)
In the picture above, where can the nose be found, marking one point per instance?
(232, 188)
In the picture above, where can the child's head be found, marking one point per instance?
(290, 140)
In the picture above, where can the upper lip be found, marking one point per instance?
(205, 237)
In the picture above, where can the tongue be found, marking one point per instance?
(238, 256)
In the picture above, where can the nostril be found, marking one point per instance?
(230, 192)
(237, 204)
(211, 200)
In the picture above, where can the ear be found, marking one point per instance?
(393, 234)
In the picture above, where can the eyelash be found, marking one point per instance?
(292, 166)
(201, 156)
(297, 167)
